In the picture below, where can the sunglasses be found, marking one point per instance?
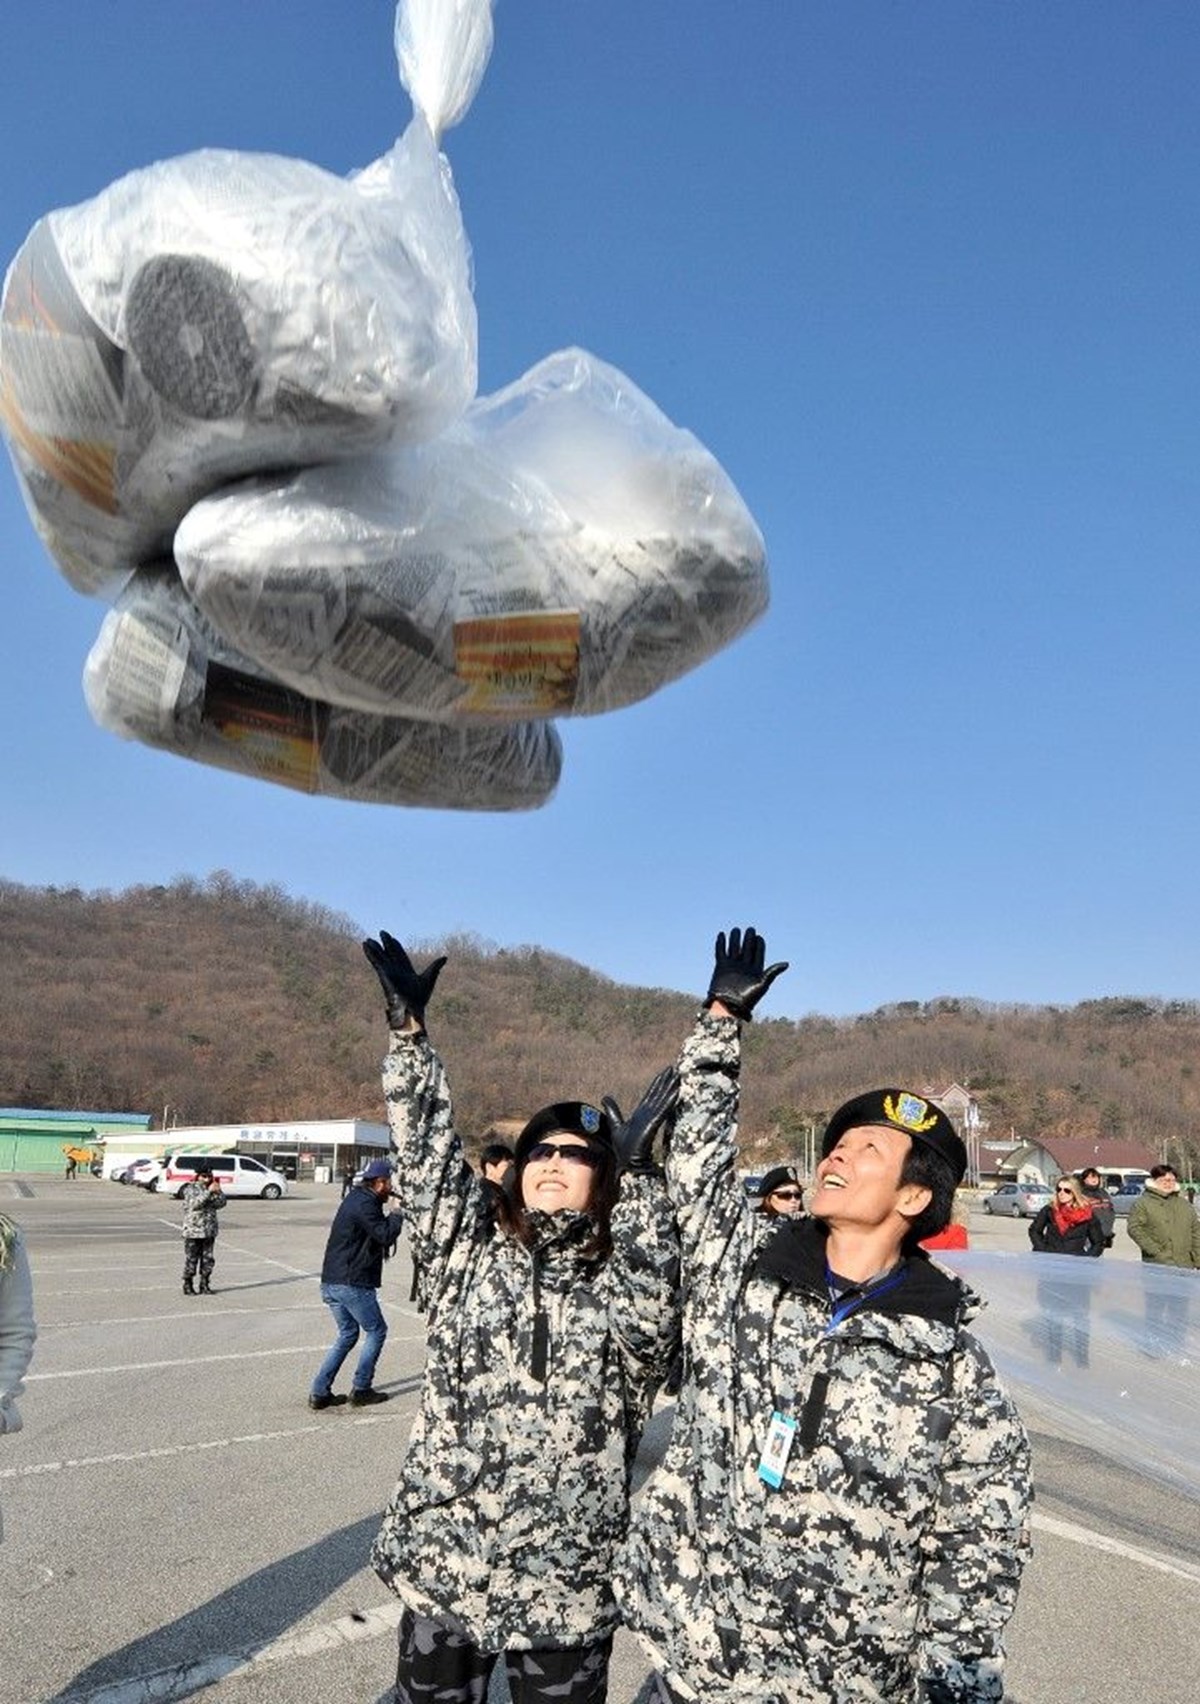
(787, 1194)
(1064, 1190)
(570, 1153)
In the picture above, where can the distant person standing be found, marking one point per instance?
(1163, 1223)
(202, 1201)
(1101, 1202)
(496, 1164)
(361, 1235)
(72, 1164)
(17, 1328)
(1066, 1225)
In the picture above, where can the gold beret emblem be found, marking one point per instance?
(910, 1112)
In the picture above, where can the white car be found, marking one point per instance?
(145, 1173)
(237, 1174)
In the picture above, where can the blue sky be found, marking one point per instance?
(922, 274)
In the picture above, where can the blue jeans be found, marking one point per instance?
(354, 1309)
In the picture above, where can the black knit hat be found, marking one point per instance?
(572, 1118)
(900, 1109)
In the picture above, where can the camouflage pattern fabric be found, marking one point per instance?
(886, 1565)
(514, 1492)
(438, 1666)
(198, 1256)
(200, 1208)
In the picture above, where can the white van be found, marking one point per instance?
(238, 1174)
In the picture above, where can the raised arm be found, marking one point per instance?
(709, 1201)
(642, 1277)
(440, 1199)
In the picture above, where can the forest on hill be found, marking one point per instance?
(215, 1000)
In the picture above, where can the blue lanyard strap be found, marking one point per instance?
(843, 1309)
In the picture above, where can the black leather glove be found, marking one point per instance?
(633, 1137)
(406, 989)
(739, 980)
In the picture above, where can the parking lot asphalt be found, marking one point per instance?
(179, 1522)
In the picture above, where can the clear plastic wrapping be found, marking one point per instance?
(563, 550)
(221, 313)
(159, 674)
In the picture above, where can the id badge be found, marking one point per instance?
(773, 1462)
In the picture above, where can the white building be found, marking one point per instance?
(316, 1149)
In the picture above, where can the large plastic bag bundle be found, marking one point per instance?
(158, 674)
(564, 549)
(222, 312)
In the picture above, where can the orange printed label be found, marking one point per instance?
(528, 663)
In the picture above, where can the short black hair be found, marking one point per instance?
(1163, 1171)
(495, 1152)
(925, 1167)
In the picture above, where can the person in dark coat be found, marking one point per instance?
(1066, 1225)
(351, 1273)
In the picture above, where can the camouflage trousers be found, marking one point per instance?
(440, 1666)
(198, 1252)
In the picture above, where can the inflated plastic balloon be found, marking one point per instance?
(221, 313)
(159, 675)
(563, 550)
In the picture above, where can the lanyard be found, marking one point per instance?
(851, 1303)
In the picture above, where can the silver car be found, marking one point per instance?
(1018, 1200)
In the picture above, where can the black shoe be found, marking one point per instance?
(364, 1398)
(333, 1400)
(187, 1287)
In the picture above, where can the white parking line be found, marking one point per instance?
(198, 1360)
(253, 1253)
(401, 1411)
(187, 1678)
(1114, 1547)
(183, 1361)
(191, 1313)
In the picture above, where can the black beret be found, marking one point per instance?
(572, 1118)
(775, 1179)
(900, 1109)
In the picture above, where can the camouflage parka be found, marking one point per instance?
(886, 1564)
(200, 1208)
(514, 1492)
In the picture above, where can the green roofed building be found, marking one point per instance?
(33, 1140)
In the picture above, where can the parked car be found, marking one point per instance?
(1018, 1200)
(145, 1173)
(123, 1172)
(238, 1174)
(1124, 1198)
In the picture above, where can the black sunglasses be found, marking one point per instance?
(787, 1194)
(570, 1153)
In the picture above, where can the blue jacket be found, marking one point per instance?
(361, 1234)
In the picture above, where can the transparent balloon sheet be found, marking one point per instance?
(1107, 1351)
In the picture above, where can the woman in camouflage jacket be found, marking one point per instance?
(882, 1560)
(544, 1353)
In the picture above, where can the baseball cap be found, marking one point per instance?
(377, 1168)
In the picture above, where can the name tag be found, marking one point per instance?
(772, 1464)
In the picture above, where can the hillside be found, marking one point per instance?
(223, 1002)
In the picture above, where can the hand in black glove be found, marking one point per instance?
(633, 1137)
(406, 989)
(739, 980)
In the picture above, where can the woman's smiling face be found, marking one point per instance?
(556, 1183)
